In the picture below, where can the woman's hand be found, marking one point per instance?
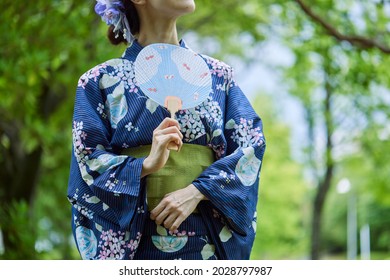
(176, 206)
(166, 136)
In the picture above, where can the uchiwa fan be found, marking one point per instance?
(172, 76)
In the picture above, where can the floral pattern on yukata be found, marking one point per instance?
(106, 190)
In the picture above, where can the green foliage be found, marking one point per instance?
(18, 222)
(358, 83)
(47, 45)
(370, 212)
(282, 210)
(230, 26)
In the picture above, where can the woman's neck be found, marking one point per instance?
(158, 32)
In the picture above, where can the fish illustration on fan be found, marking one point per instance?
(172, 76)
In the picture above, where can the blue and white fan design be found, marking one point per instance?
(172, 76)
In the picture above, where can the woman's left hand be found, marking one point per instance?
(176, 206)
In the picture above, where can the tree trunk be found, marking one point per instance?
(325, 183)
(20, 187)
(19, 180)
(319, 201)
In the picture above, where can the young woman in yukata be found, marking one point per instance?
(133, 196)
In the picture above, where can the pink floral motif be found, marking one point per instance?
(133, 88)
(218, 216)
(245, 135)
(218, 149)
(181, 233)
(79, 149)
(133, 244)
(132, 255)
(220, 68)
(91, 74)
(112, 245)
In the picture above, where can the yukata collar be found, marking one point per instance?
(133, 50)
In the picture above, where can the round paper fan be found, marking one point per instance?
(172, 76)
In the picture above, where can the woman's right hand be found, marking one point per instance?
(166, 137)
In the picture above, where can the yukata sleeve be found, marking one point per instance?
(113, 179)
(231, 182)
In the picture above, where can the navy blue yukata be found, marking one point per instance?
(110, 218)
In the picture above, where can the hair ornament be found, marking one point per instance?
(111, 12)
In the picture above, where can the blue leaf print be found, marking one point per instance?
(117, 105)
(169, 244)
(86, 242)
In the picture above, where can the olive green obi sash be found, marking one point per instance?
(181, 169)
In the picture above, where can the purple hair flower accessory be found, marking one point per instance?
(111, 12)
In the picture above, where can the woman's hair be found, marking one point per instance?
(133, 19)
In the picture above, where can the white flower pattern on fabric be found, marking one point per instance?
(78, 147)
(124, 71)
(100, 109)
(211, 111)
(191, 123)
(83, 210)
(80, 151)
(227, 177)
(131, 127)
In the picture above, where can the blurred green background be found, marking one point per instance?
(317, 72)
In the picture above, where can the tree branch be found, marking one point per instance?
(356, 40)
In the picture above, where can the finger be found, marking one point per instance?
(173, 147)
(156, 211)
(168, 222)
(169, 130)
(167, 122)
(167, 140)
(176, 224)
(160, 212)
(162, 216)
(169, 205)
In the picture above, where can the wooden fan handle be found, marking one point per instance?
(173, 104)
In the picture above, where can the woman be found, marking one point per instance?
(123, 141)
